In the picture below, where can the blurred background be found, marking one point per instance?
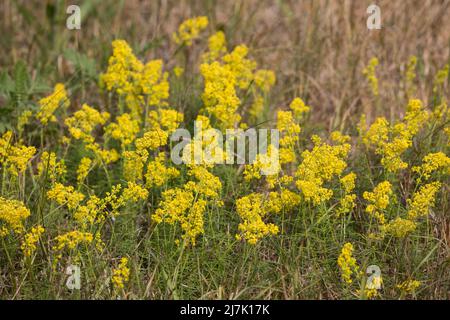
(317, 48)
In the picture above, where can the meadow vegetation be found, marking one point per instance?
(86, 118)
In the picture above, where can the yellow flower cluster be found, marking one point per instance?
(409, 286)
(186, 206)
(124, 129)
(30, 240)
(141, 85)
(48, 105)
(217, 46)
(50, 166)
(83, 122)
(392, 142)
(157, 172)
(263, 165)
(152, 140)
(369, 72)
(219, 95)
(65, 195)
(319, 166)
(189, 30)
(410, 75)
(23, 120)
(433, 162)
(81, 126)
(223, 74)
(441, 77)
(265, 79)
(251, 210)
(96, 209)
(378, 200)
(254, 208)
(12, 216)
(134, 165)
(70, 241)
(241, 67)
(123, 69)
(289, 130)
(422, 200)
(167, 120)
(83, 169)
(206, 184)
(299, 108)
(153, 83)
(347, 203)
(134, 192)
(15, 157)
(121, 274)
(347, 263)
(399, 227)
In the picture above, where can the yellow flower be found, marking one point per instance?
(178, 71)
(125, 130)
(23, 120)
(134, 192)
(65, 195)
(83, 122)
(251, 210)
(103, 155)
(121, 274)
(378, 200)
(265, 79)
(299, 108)
(165, 119)
(288, 128)
(410, 75)
(377, 134)
(207, 184)
(152, 140)
(433, 162)
(348, 182)
(369, 72)
(347, 203)
(241, 67)
(50, 166)
(440, 77)
(422, 200)
(319, 166)
(70, 241)
(189, 30)
(157, 173)
(347, 263)
(134, 165)
(12, 216)
(219, 95)
(30, 240)
(399, 227)
(18, 158)
(48, 105)
(178, 206)
(97, 209)
(392, 141)
(83, 169)
(409, 286)
(217, 46)
(153, 83)
(123, 69)
(15, 157)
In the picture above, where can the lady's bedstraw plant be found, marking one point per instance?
(98, 186)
